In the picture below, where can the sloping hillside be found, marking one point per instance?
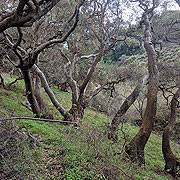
(139, 62)
(66, 152)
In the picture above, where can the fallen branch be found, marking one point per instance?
(38, 119)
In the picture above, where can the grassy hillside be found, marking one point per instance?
(168, 54)
(79, 153)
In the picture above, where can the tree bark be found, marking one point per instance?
(77, 112)
(135, 149)
(90, 72)
(49, 92)
(2, 81)
(37, 93)
(22, 17)
(112, 135)
(29, 92)
(171, 161)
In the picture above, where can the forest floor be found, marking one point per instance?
(66, 152)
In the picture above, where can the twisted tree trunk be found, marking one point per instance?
(171, 161)
(112, 135)
(135, 149)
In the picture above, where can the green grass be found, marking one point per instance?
(88, 152)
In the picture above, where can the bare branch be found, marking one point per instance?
(103, 87)
(124, 108)
(19, 38)
(89, 56)
(167, 89)
(15, 47)
(63, 39)
(69, 69)
(26, 16)
(48, 90)
(91, 70)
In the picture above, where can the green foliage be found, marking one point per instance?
(88, 152)
(26, 164)
(131, 47)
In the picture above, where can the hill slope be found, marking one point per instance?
(66, 152)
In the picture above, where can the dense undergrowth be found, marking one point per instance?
(66, 152)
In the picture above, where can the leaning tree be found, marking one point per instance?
(135, 149)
